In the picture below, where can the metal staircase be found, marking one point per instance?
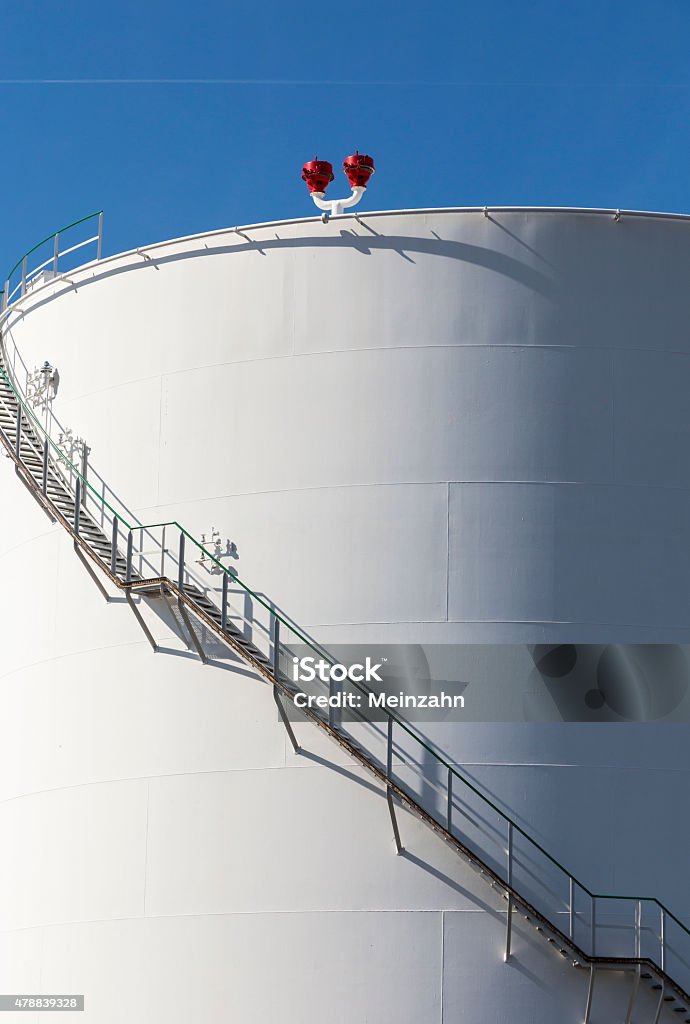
(648, 940)
(150, 562)
(20, 432)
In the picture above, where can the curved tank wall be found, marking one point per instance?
(430, 427)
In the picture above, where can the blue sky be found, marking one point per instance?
(499, 103)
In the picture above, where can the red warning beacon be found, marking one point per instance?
(318, 175)
(359, 168)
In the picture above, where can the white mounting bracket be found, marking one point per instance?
(334, 207)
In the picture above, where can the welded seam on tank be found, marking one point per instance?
(431, 346)
(315, 912)
(258, 769)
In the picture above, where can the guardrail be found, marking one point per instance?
(27, 276)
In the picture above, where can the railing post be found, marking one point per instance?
(180, 575)
(571, 906)
(638, 970)
(509, 925)
(662, 939)
(594, 925)
(56, 252)
(84, 473)
(44, 486)
(275, 635)
(275, 638)
(333, 687)
(113, 547)
(77, 505)
(449, 812)
(389, 789)
(224, 607)
(99, 247)
(24, 276)
(18, 437)
(163, 550)
(130, 548)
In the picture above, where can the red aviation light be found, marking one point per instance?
(318, 175)
(359, 168)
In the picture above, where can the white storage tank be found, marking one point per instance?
(429, 427)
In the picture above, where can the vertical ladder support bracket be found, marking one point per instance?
(590, 994)
(509, 929)
(660, 1004)
(389, 791)
(285, 720)
(192, 634)
(275, 667)
(633, 995)
(394, 821)
(509, 919)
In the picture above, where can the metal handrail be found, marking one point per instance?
(455, 781)
(612, 213)
(7, 293)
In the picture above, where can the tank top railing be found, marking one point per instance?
(25, 274)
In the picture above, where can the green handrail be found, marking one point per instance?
(74, 224)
